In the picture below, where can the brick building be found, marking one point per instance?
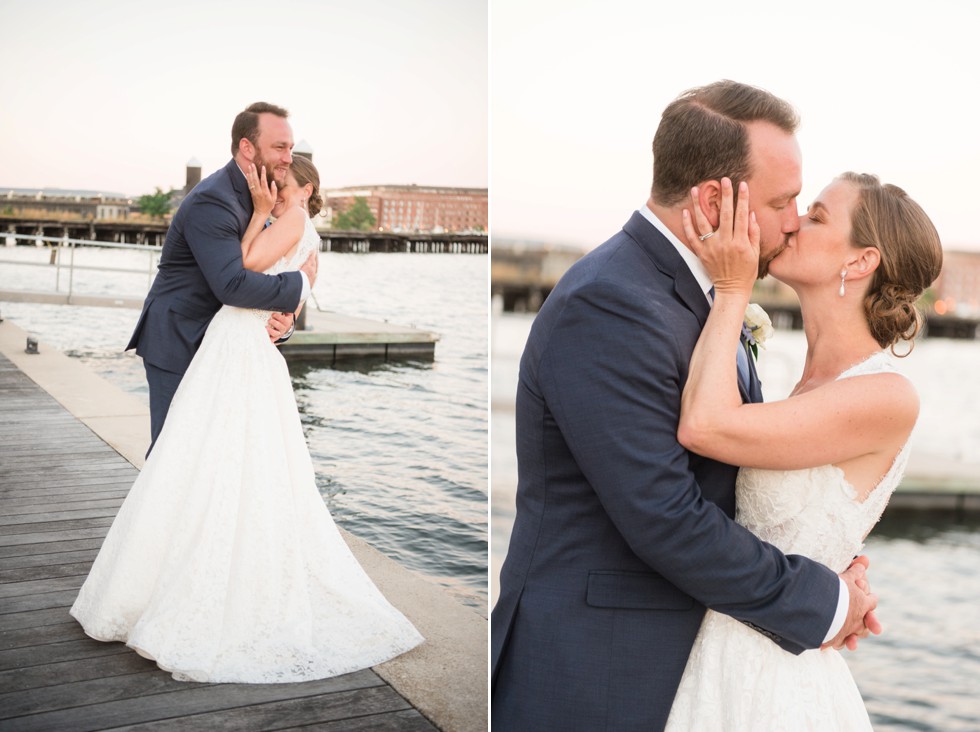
(415, 208)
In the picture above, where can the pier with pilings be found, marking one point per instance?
(40, 232)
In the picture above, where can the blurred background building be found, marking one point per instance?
(413, 208)
(522, 274)
(61, 203)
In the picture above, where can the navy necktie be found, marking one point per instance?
(741, 355)
(743, 364)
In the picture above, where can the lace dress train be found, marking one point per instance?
(223, 563)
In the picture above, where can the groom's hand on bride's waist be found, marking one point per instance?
(280, 326)
(310, 267)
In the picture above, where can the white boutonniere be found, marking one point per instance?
(756, 327)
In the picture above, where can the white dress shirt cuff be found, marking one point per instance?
(306, 288)
(843, 603)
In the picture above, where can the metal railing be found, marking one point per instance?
(61, 244)
(64, 247)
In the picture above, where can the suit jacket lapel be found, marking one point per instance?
(668, 261)
(240, 185)
(687, 289)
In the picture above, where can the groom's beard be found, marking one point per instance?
(765, 261)
(270, 171)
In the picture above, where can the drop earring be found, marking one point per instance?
(843, 274)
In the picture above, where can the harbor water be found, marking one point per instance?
(923, 673)
(400, 448)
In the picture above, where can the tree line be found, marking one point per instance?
(357, 217)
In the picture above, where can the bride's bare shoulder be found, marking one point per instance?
(889, 395)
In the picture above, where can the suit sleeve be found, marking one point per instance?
(211, 231)
(612, 371)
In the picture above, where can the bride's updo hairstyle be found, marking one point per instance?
(911, 257)
(305, 172)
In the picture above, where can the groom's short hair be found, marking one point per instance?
(246, 124)
(702, 136)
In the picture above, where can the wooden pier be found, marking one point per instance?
(363, 242)
(60, 487)
(29, 229)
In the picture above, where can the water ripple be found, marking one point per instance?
(399, 448)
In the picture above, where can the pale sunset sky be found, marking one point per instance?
(117, 96)
(577, 88)
(111, 95)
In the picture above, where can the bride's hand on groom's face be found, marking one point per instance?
(730, 253)
(263, 193)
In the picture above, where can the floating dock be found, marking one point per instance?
(331, 337)
(328, 336)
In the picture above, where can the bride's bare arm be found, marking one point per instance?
(840, 421)
(264, 246)
(847, 419)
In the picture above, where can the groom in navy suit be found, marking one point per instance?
(622, 537)
(201, 265)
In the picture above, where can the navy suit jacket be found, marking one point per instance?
(622, 537)
(201, 269)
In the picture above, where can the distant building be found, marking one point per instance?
(193, 175)
(64, 203)
(303, 149)
(415, 208)
(958, 288)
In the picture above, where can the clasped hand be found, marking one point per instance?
(729, 253)
(861, 618)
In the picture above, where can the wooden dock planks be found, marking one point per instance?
(60, 487)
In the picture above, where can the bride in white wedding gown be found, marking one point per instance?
(820, 466)
(223, 563)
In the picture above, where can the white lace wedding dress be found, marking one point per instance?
(223, 563)
(738, 680)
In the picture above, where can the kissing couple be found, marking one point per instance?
(683, 554)
(223, 563)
